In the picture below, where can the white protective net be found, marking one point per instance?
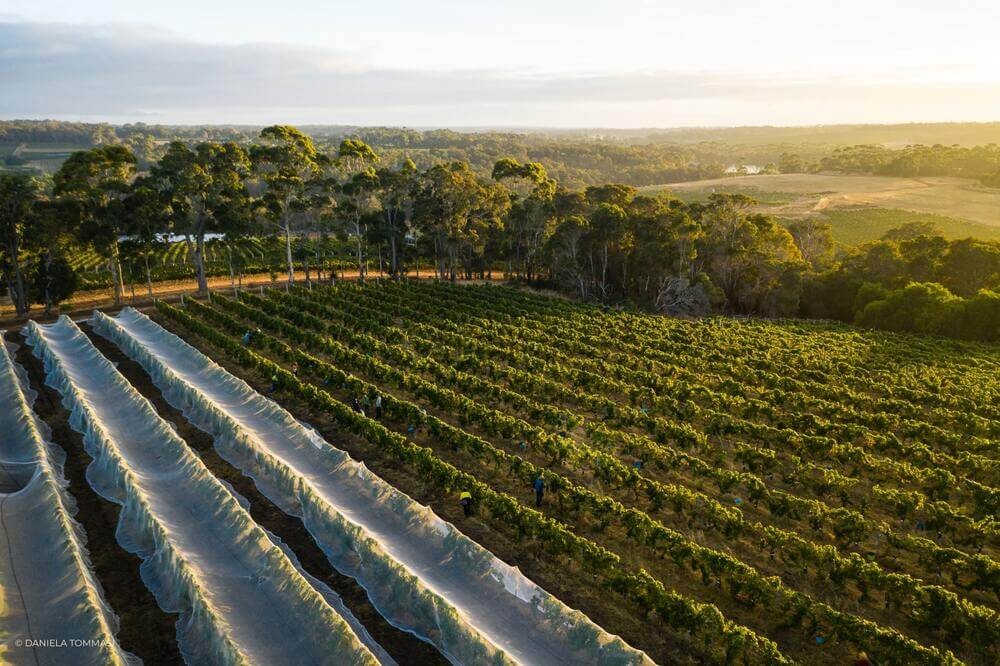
(241, 598)
(52, 609)
(420, 572)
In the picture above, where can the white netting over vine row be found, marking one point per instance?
(420, 572)
(242, 598)
(53, 609)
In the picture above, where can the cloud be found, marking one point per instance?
(121, 73)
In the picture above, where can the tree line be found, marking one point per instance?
(723, 256)
(582, 158)
(975, 162)
(913, 279)
(608, 243)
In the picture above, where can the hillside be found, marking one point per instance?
(862, 208)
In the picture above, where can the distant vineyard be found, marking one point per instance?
(179, 252)
(174, 261)
(757, 491)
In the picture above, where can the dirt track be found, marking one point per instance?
(82, 303)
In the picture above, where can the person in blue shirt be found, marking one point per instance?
(539, 486)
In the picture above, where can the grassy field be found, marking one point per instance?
(853, 226)
(44, 156)
(702, 195)
(862, 208)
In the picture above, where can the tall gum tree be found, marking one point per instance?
(457, 210)
(751, 258)
(18, 195)
(395, 193)
(98, 180)
(147, 209)
(51, 234)
(531, 220)
(286, 163)
(204, 186)
(356, 160)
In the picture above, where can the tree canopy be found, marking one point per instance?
(607, 242)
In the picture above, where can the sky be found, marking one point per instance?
(516, 63)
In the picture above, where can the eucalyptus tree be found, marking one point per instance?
(457, 211)
(147, 211)
(532, 215)
(354, 155)
(357, 192)
(322, 249)
(608, 241)
(610, 193)
(969, 265)
(815, 241)
(565, 254)
(53, 228)
(356, 203)
(395, 192)
(482, 246)
(750, 257)
(288, 167)
(206, 187)
(302, 251)
(18, 195)
(98, 180)
(661, 260)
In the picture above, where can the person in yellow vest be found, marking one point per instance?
(465, 499)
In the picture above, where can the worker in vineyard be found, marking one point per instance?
(274, 382)
(246, 338)
(465, 499)
(378, 405)
(539, 486)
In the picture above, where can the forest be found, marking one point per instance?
(977, 162)
(606, 243)
(580, 158)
